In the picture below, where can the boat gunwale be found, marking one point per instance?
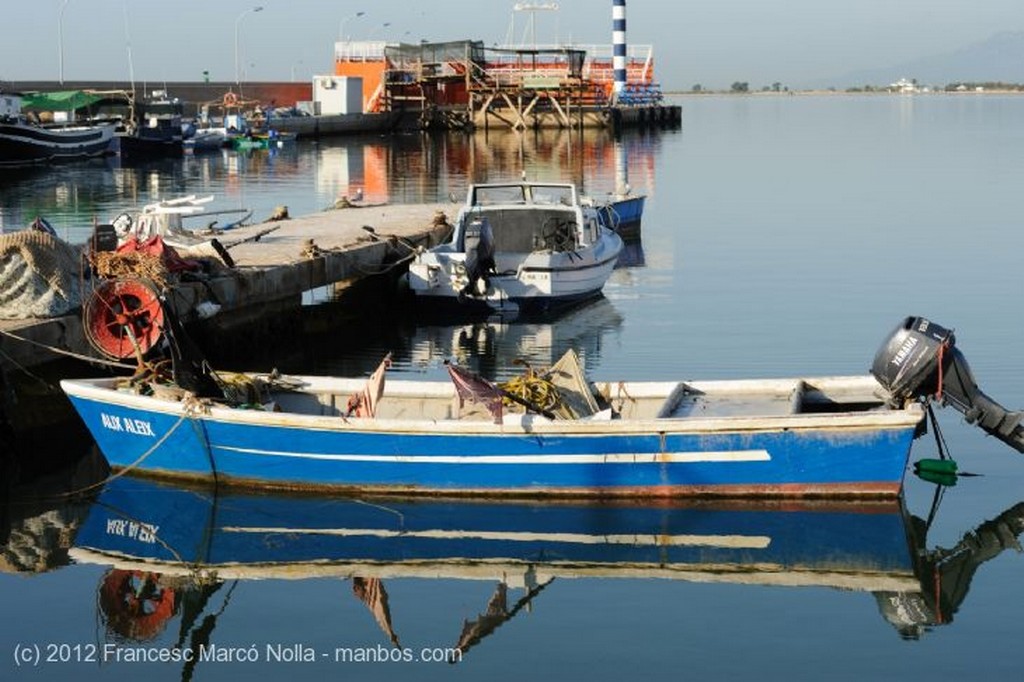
(102, 391)
(457, 568)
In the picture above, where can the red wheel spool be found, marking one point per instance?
(123, 318)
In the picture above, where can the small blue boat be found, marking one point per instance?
(825, 436)
(623, 214)
(797, 437)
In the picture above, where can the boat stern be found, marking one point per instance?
(438, 273)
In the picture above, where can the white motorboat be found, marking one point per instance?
(518, 247)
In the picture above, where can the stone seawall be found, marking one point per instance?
(194, 94)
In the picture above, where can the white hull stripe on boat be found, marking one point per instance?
(570, 268)
(735, 541)
(610, 458)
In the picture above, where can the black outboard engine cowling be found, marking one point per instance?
(478, 244)
(920, 360)
(907, 364)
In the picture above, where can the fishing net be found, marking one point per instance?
(115, 264)
(40, 275)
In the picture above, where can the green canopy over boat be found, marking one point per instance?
(64, 100)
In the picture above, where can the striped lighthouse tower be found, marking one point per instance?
(618, 47)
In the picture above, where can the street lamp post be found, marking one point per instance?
(379, 28)
(238, 23)
(341, 24)
(60, 40)
(532, 8)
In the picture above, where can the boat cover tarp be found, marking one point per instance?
(577, 400)
(64, 100)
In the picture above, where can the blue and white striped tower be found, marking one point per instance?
(618, 47)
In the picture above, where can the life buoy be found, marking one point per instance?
(230, 99)
(136, 604)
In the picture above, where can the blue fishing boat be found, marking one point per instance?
(813, 436)
(623, 214)
(772, 437)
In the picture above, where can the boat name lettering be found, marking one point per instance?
(133, 530)
(114, 422)
(904, 351)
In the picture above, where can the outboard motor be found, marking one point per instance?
(920, 360)
(478, 243)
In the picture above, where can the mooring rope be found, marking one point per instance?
(384, 269)
(46, 384)
(71, 354)
(113, 477)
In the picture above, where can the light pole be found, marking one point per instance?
(238, 22)
(379, 28)
(341, 24)
(60, 40)
(532, 8)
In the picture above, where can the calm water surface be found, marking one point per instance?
(782, 236)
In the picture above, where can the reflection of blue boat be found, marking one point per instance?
(851, 545)
(183, 544)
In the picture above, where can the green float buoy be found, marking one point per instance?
(941, 471)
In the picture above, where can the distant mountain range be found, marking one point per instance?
(997, 59)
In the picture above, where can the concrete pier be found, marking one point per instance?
(275, 262)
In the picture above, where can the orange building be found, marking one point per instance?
(466, 75)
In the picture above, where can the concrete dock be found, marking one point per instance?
(275, 262)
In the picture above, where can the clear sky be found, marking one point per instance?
(711, 42)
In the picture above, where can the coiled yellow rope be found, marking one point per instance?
(530, 388)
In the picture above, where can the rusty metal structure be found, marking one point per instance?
(465, 84)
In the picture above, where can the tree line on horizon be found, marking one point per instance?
(743, 87)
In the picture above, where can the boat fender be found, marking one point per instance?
(123, 224)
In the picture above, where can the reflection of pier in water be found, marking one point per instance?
(409, 168)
